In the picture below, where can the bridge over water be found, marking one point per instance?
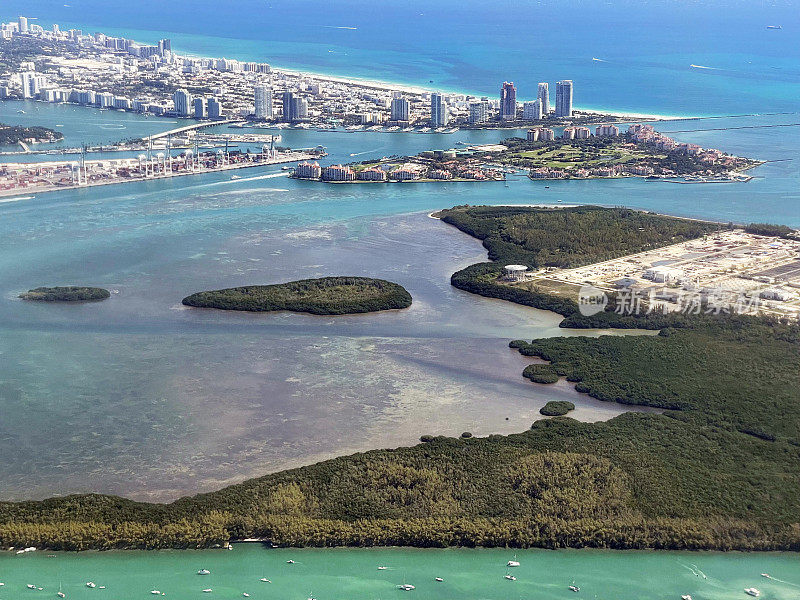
(186, 128)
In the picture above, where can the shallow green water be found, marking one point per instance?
(354, 573)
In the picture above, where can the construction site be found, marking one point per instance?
(731, 271)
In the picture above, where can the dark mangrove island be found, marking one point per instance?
(70, 293)
(323, 296)
(556, 408)
(717, 468)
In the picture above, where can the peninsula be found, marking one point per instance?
(323, 296)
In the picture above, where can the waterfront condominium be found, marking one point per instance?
(183, 102)
(200, 107)
(544, 97)
(214, 108)
(263, 102)
(508, 102)
(479, 111)
(400, 109)
(438, 110)
(564, 98)
(532, 111)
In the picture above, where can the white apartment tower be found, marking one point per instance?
(263, 102)
(183, 103)
(400, 109)
(544, 97)
(532, 111)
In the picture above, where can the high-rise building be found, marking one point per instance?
(564, 98)
(32, 84)
(532, 111)
(263, 102)
(164, 45)
(287, 99)
(299, 108)
(544, 97)
(400, 109)
(183, 102)
(438, 110)
(508, 102)
(23, 24)
(214, 108)
(200, 108)
(479, 112)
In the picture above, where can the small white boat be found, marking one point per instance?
(575, 588)
(207, 591)
(767, 575)
(102, 587)
(245, 594)
(439, 579)
(512, 563)
(752, 592)
(31, 586)
(381, 568)
(686, 597)
(61, 594)
(204, 572)
(235, 177)
(155, 592)
(290, 562)
(265, 580)
(510, 577)
(406, 587)
(91, 584)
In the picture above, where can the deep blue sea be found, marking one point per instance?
(646, 49)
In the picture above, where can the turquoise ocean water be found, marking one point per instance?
(348, 574)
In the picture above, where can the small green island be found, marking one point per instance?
(13, 134)
(556, 408)
(322, 296)
(69, 293)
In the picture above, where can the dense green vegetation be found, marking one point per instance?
(71, 293)
(11, 134)
(718, 467)
(605, 151)
(556, 408)
(324, 296)
(572, 236)
(771, 230)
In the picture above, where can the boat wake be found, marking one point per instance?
(366, 151)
